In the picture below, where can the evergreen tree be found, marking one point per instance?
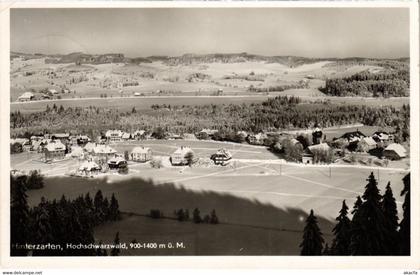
(115, 250)
(369, 232)
(312, 237)
(213, 217)
(341, 242)
(98, 205)
(196, 216)
(327, 250)
(357, 205)
(404, 232)
(114, 209)
(389, 208)
(42, 232)
(19, 216)
(180, 215)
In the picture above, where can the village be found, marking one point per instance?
(116, 150)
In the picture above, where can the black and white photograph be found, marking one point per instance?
(223, 131)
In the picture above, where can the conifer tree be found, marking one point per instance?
(404, 232)
(19, 216)
(196, 216)
(180, 215)
(327, 250)
(42, 232)
(369, 233)
(357, 205)
(213, 217)
(114, 208)
(341, 242)
(115, 250)
(389, 208)
(312, 243)
(98, 204)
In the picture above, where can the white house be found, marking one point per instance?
(89, 167)
(114, 135)
(141, 154)
(179, 156)
(55, 150)
(27, 96)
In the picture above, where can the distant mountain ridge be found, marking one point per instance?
(291, 61)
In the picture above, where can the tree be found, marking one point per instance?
(404, 233)
(369, 233)
(116, 250)
(19, 216)
(16, 148)
(213, 217)
(35, 180)
(312, 243)
(98, 206)
(389, 208)
(158, 133)
(189, 157)
(126, 155)
(196, 216)
(114, 209)
(341, 242)
(180, 215)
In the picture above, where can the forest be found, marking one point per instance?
(279, 113)
(389, 83)
(59, 222)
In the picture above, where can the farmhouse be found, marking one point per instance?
(114, 135)
(117, 163)
(206, 133)
(103, 151)
(63, 137)
(221, 156)
(353, 136)
(53, 91)
(54, 150)
(125, 136)
(395, 151)
(257, 139)
(27, 96)
(26, 144)
(141, 154)
(383, 137)
(76, 152)
(310, 155)
(179, 157)
(82, 139)
(89, 167)
(366, 144)
(89, 147)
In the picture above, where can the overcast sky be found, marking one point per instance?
(322, 32)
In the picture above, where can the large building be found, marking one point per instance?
(179, 157)
(54, 150)
(395, 151)
(141, 154)
(27, 96)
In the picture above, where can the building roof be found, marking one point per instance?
(25, 95)
(224, 152)
(353, 136)
(116, 160)
(89, 146)
(381, 135)
(126, 135)
(110, 133)
(103, 149)
(321, 147)
(183, 150)
(139, 132)
(369, 141)
(140, 150)
(22, 141)
(76, 151)
(61, 135)
(88, 165)
(397, 148)
(55, 146)
(209, 131)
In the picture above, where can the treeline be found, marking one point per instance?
(373, 230)
(383, 84)
(58, 222)
(279, 88)
(274, 114)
